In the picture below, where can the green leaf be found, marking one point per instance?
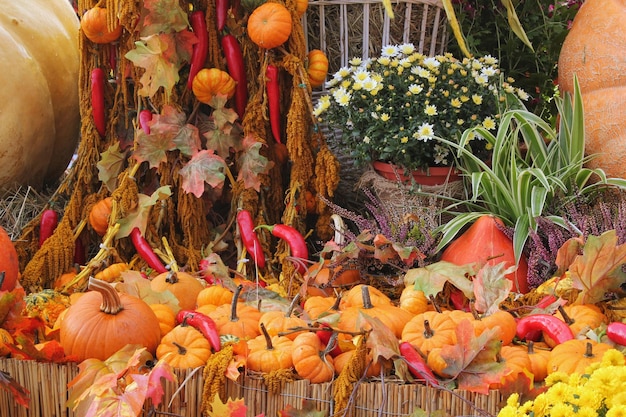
(139, 218)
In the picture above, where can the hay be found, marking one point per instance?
(19, 206)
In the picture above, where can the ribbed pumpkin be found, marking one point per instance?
(575, 355)
(516, 360)
(595, 51)
(94, 26)
(391, 316)
(324, 279)
(269, 353)
(539, 354)
(270, 25)
(103, 321)
(9, 262)
(412, 300)
(317, 68)
(354, 297)
(184, 347)
(318, 305)
(504, 322)
(430, 330)
(166, 317)
(237, 319)
(581, 317)
(277, 321)
(99, 215)
(214, 294)
(183, 285)
(310, 360)
(210, 82)
(301, 6)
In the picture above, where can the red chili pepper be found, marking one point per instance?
(546, 301)
(249, 238)
(221, 10)
(272, 86)
(203, 323)
(616, 332)
(416, 364)
(80, 255)
(553, 327)
(325, 335)
(294, 239)
(97, 100)
(145, 116)
(200, 49)
(48, 222)
(237, 70)
(144, 250)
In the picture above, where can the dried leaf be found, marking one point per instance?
(431, 278)
(204, 167)
(598, 269)
(110, 165)
(18, 392)
(491, 287)
(232, 408)
(381, 340)
(139, 217)
(163, 16)
(252, 164)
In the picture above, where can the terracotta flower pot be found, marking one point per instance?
(432, 176)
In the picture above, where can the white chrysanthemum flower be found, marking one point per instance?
(390, 51)
(366, 139)
(523, 95)
(430, 110)
(342, 96)
(425, 131)
(481, 79)
(416, 89)
(431, 63)
(489, 71)
(370, 85)
(360, 74)
(406, 48)
(489, 123)
(343, 72)
(489, 60)
(356, 61)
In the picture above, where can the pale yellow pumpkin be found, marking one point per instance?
(39, 62)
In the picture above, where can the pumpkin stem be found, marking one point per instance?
(531, 347)
(428, 331)
(434, 303)
(111, 303)
(589, 351)
(268, 338)
(367, 300)
(2, 275)
(172, 277)
(566, 317)
(330, 345)
(335, 306)
(181, 349)
(233, 305)
(292, 305)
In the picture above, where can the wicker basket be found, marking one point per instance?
(344, 29)
(47, 384)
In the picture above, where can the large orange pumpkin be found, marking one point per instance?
(484, 242)
(595, 51)
(270, 25)
(103, 321)
(9, 262)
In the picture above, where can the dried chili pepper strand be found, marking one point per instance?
(272, 87)
(237, 70)
(201, 48)
(97, 100)
(416, 364)
(249, 238)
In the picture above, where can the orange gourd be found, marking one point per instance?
(317, 68)
(270, 25)
(99, 215)
(166, 317)
(412, 300)
(485, 243)
(505, 324)
(517, 362)
(301, 6)
(103, 321)
(269, 353)
(581, 317)
(324, 278)
(184, 347)
(391, 316)
(575, 355)
(113, 272)
(277, 321)
(595, 51)
(214, 294)
(430, 330)
(538, 353)
(318, 305)
(237, 319)
(210, 82)
(310, 360)
(94, 26)
(354, 297)
(183, 285)
(9, 263)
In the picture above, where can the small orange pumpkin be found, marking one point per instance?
(412, 300)
(269, 353)
(270, 25)
(276, 321)
(504, 322)
(539, 354)
(430, 330)
(183, 285)
(214, 294)
(323, 278)
(113, 272)
(516, 360)
(99, 215)
(581, 317)
(317, 68)
(319, 305)
(301, 6)
(354, 297)
(184, 347)
(575, 355)
(310, 360)
(94, 26)
(166, 317)
(237, 319)
(210, 82)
